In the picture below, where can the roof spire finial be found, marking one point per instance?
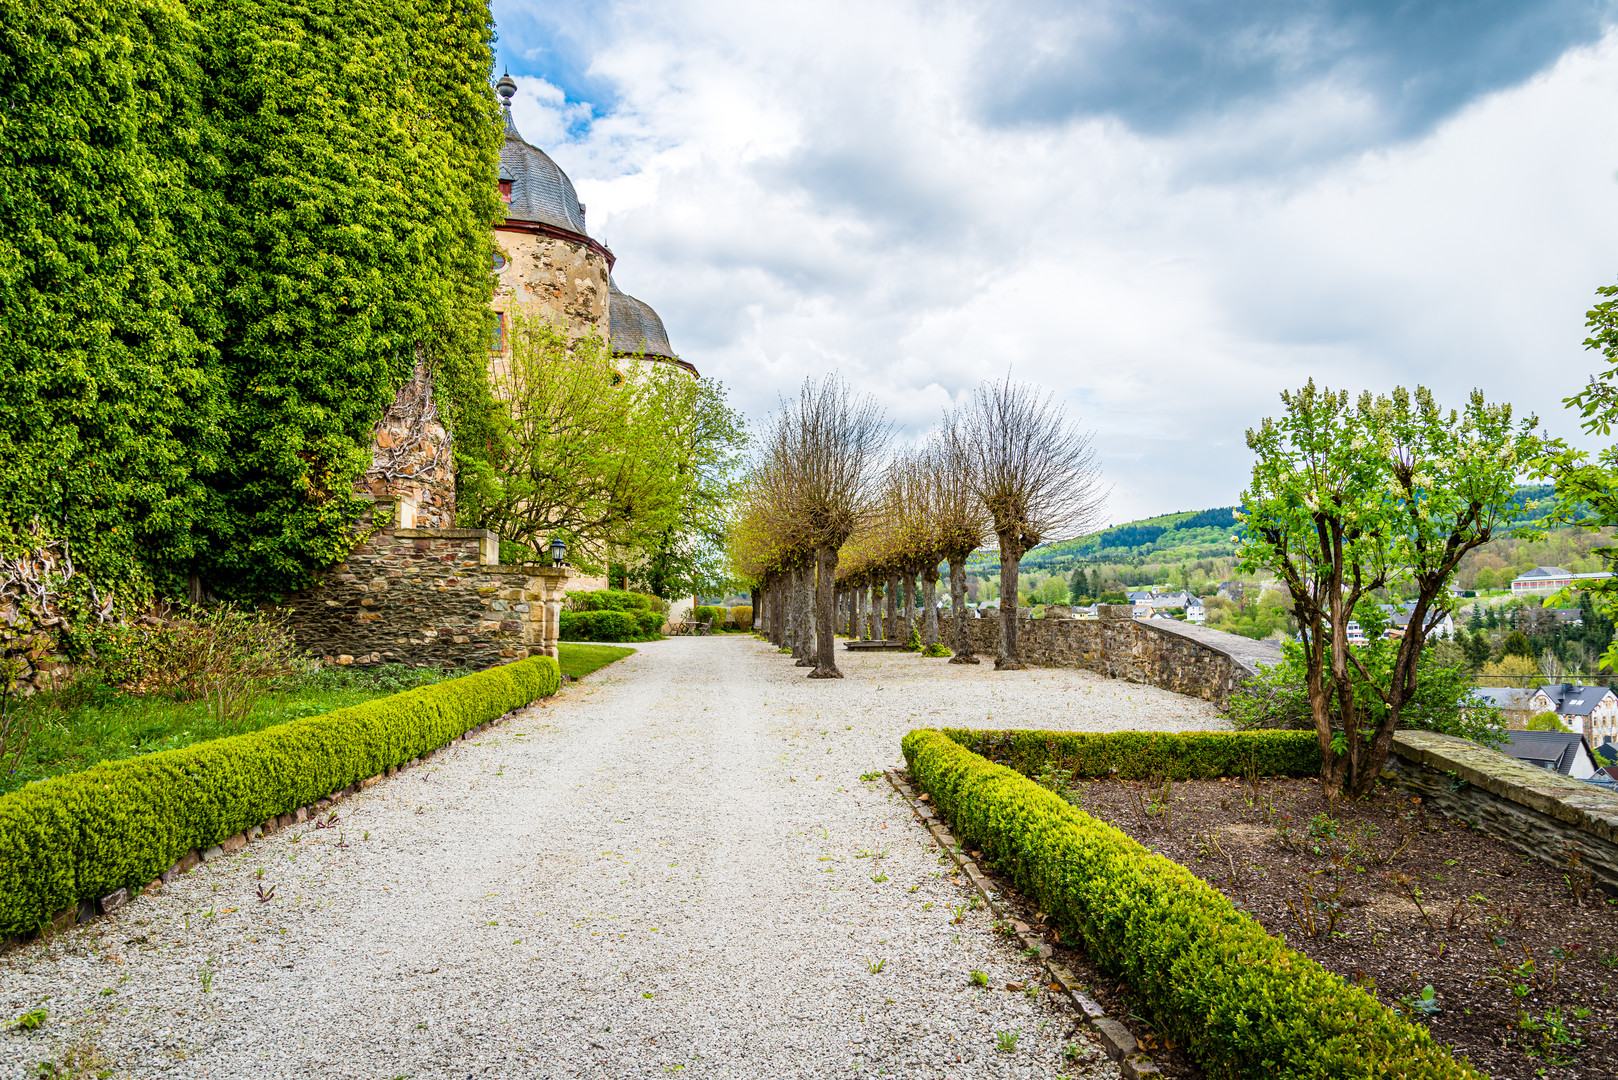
(506, 88)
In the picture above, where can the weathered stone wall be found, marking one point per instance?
(412, 461)
(1176, 656)
(421, 597)
(564, 279)
(1537, 812)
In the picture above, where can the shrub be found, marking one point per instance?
(219, 654)
(1546, 721)
(651, 623)
(1138, 755)
(937, 648)
(616, 600)
(1240, 1002)
(703, 613)
(600, 625)
(123, 823)
(741, 618)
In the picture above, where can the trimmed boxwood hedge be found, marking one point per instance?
(1238, 1000)
(122, 823)
(1139, 755)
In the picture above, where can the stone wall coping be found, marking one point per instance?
(446, 534)
(1584, 806)
(1245, 651)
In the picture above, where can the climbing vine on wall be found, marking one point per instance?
(238, 223)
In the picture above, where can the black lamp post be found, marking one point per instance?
(558, 551)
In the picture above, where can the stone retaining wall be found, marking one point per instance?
(1532, 810)
(423, 597)
(1176, 656)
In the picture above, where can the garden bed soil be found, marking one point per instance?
(1524, 972)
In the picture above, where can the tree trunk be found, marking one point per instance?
(754, 596)
(872, 616)
(825, 602)
(890, 607)
(1008, 658)
(929, 600)
(957, 599)
(908, 584)
(805, 616)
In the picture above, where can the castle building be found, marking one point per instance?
(547, 261)
(416, 589)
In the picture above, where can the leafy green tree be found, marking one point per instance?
(614, 463)
(1515, 643)
(1348, 500)
(1587, 487)
(1443, 700)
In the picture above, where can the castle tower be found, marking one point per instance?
(637, 331)
(545, 259)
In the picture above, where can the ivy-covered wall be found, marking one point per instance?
(231, 227)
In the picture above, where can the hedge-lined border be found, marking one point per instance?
(121, 824)
(1142, 755)
(1240, 1002)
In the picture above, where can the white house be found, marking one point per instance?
(1591, 711)
(1544, 580)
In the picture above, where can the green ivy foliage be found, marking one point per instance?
(239, 224)
(1240, 1002)
(122, 823)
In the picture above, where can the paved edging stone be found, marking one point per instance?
(1119, 1041)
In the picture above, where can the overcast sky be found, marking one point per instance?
(1164, 212)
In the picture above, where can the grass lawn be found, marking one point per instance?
(89, 725)
(579, 660)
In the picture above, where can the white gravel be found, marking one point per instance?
(671, 869)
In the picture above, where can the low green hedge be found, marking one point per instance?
(616, 600)
(1238, 1000)
(123, 823)
(1140, 755)
(741, 617)
(610, 625)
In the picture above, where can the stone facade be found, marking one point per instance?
(427, 597)
(1176, 656)
(564, 280)
(1537, 812)
(412, 459)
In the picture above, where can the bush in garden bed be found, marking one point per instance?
(611, 625)
(616, 600)
(1139, 755)
(123, 823)
(1240, 1002)
(741, 618)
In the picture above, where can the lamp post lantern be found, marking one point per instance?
(558, 551)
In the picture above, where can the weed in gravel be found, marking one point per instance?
(266, 897)
(1031, 953)
(870, 775)
(29, 1021)
(261, 873)
(979, 978)
(1073, 1053)
(1006, 1041)
(959, 911)
(879, 877)
(875, 964)
(205, 975)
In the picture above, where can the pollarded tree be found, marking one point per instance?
(1035, 475)
(1345, 501)
(962, 524)
(828, 445)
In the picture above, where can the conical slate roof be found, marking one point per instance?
(540, 190)
(636, 328)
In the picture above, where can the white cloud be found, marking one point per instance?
(797, 188)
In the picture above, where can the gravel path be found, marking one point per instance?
(671, 869)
